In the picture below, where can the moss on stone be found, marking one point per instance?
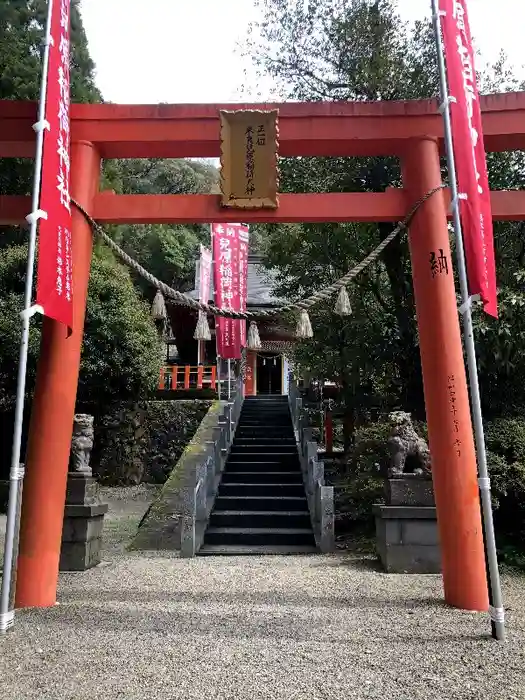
(160, 527)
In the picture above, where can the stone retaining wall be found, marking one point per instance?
(161, 526)
(141, 442)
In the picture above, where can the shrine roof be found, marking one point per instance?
(260, 284)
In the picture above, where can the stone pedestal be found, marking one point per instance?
(83, 523)
(406, 527)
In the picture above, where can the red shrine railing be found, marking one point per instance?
(175, 377)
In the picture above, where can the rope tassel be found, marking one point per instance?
(304, 327)
(342, 305)
(253, 340)
(158, 308)
(202, 330)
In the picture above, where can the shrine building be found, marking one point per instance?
(192, 364)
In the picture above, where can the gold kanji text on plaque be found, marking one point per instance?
(249, 153)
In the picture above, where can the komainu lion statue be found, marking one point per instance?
(404, 442)
(81, 444)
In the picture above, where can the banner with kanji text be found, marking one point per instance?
(226, 280)
(469, 151)
(244, 241)
(54, 288)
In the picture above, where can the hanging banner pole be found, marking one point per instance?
(497, 614)
(16, 475)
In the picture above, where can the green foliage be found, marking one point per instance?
(22, 24)
(167, 251)
(121, 353)
(358, 480)
(362, 50)
(505, 440)
(501, 356)
(12, 274)
(349, 50)
(121, 356)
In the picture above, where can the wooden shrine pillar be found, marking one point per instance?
(451, 441)
(250, 382)
(53, 410)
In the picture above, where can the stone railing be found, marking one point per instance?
(320, 497)
(210, 461)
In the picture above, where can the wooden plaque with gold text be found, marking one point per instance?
(249, 165)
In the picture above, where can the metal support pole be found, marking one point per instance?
(16, 474)
(218, 377)
(497, 613)
(229, 375)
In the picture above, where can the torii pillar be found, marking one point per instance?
(451, 441)
(53, 410)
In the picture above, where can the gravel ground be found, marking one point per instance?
(314, 627)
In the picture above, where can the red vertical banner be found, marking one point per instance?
(469, 150)
(244, 240)
(205, 275)
(225, 245)
(54, 292)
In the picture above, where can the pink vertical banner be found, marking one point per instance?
(225, 246)
(54, 286)
(244, 241)
(469, 149)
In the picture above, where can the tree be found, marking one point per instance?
(120, 357)
(352, 50)
(12, 273)
(22, 24)
(360, 50)
(167, 251)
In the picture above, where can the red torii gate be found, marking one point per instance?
(412, 131)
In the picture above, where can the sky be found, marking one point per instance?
(184, 51)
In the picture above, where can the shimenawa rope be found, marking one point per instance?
(302, 305)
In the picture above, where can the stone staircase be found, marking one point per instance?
(261, 505)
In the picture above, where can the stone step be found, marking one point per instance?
(261, 506)
(259, 536)
(266, 398)
(243, 456)
(257, 442)
(267, 412)
(248, 519)
(263, 466)
(245, 550)
(266, 449)
(272, 430)
(275, 489)
(282, 409)
(263, 432)
(261, 503)
(266, 477)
